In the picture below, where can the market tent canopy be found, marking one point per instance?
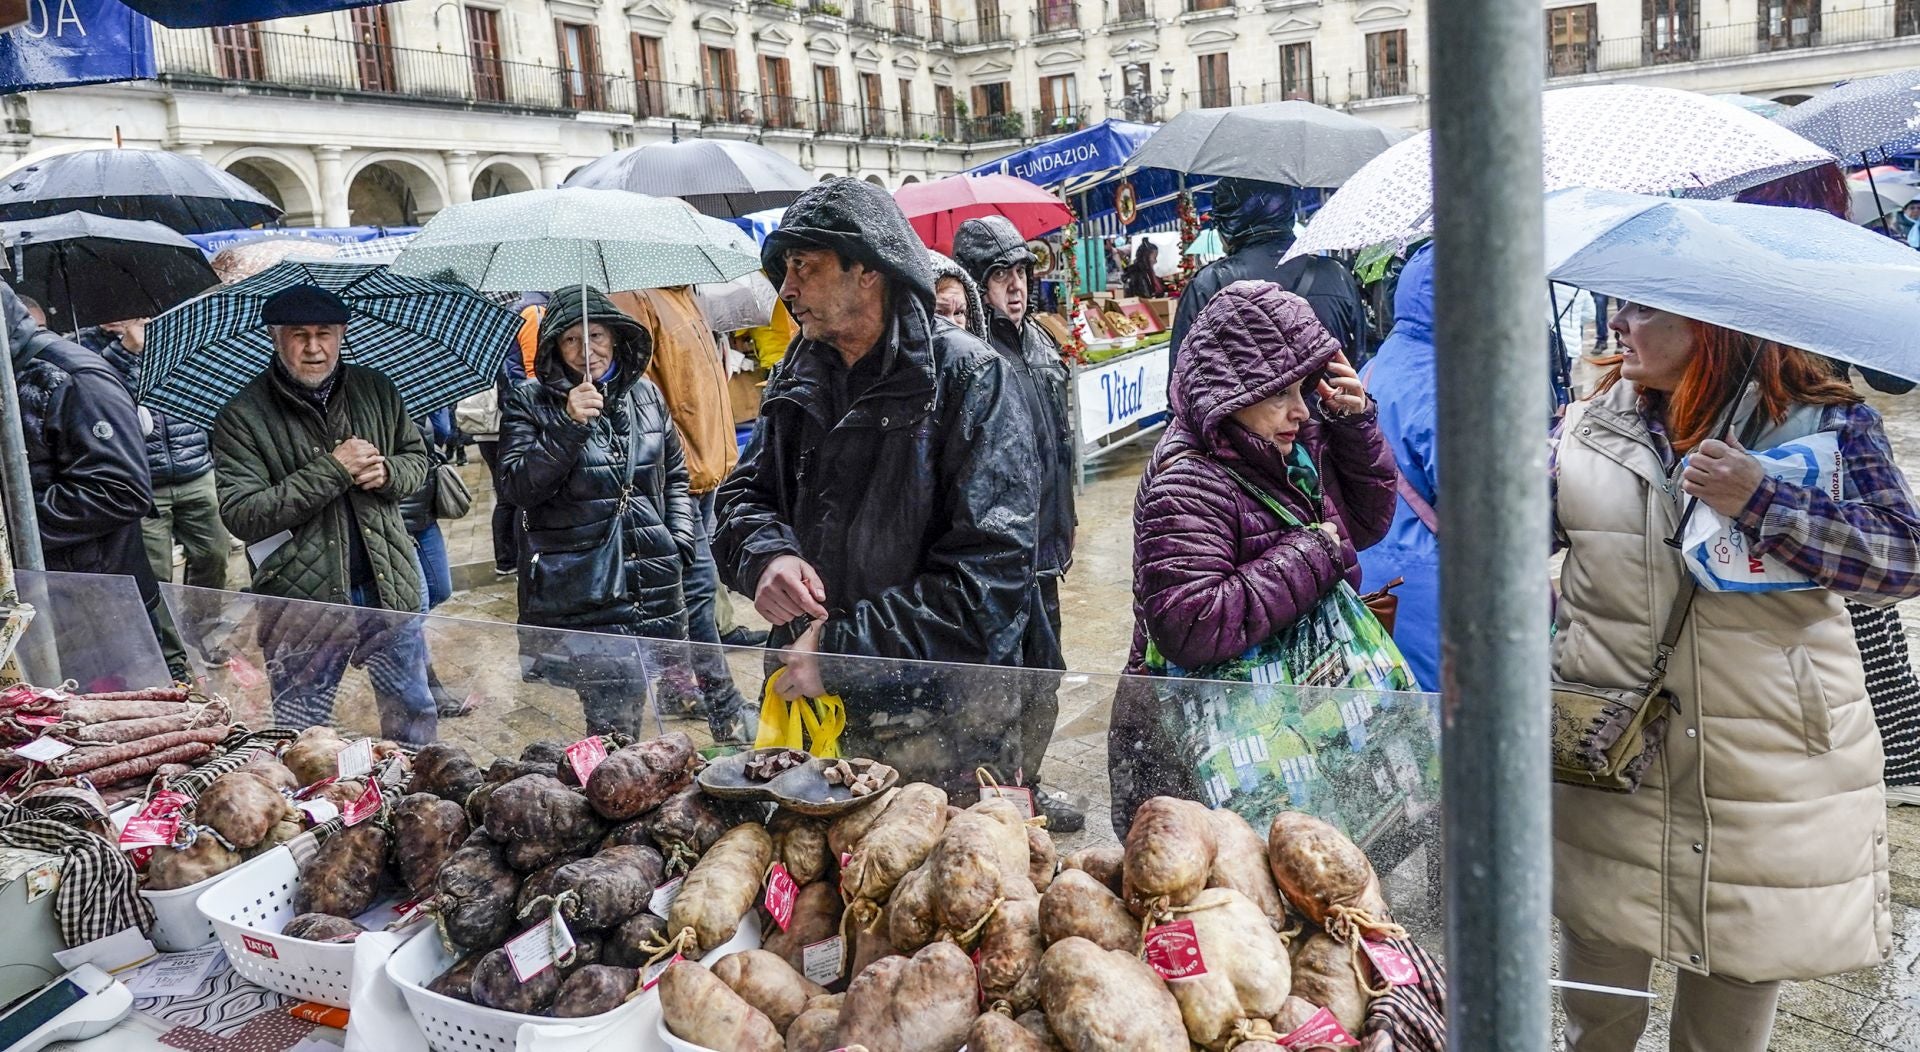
(194, 14)
(1085, 167)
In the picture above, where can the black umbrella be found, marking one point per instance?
(191, 14)
(1296, 143)
(181, 192)
(88, 269)
(718, 177)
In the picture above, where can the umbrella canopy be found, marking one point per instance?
(746, 302)
(1610, 137)
(436, 342)
(1297, 143)
(86, 269)
(172, 189)
(936, 209)
(1875, 115)
(381, 250)
(194, 14)
(1207, 244)
(1867, 202)
(1746, 267)
(244, 260)
(720, 177)
(543, 240)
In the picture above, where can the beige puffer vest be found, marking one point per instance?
(1757, 846)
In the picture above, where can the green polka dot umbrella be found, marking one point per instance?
(543, 240)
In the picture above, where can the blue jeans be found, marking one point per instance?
(431, 544)
(391, 646)
(1600, 317)
(702, 586)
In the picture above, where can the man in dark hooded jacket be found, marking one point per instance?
(997, 257)
(1255, 220)
(886, 506)
(87, 456)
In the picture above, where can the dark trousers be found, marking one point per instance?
(717, 689)
(305, 669)
(506, 552)
(1040, 704)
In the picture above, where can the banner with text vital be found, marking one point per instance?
(66, 42)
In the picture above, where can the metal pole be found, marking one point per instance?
(15, 479)
(1490, 285)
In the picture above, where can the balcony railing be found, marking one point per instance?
(1312, 89)
(788, 8)
(908, 22)
(300, 62)
(828, 8)
(1202, 7)
(993, 127)
(940, 31)
(1738, 40)
(785, 113)
(836, 118)
(1236, 95)
(728, 106)
(1122, 12)
(983, 29)
(1385, 83)
(1053, 16)
(1060, 121)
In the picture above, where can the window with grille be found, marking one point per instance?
(776, 91)
(649, 76)
(1296, 71)
(1789, 23)
(1571, 41)
(1215, 88)
(580, 66)
(483, 51)
(237, 52)
(1670, 30)
(943, 106)
(1387, 64)
(1059, 101)
(373, 49)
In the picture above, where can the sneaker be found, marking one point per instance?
(740, 728)
(1064, 814)
(1903, 794)
(505, 571)
(740, 636)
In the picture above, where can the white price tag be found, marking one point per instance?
(319, 810)
(823, 960)
(1018, 795)
(533, 951)
(40, 750)
(176, 974)
(356, 759)
(650, 975)
(663, 897)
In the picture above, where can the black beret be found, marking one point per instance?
(304, 305)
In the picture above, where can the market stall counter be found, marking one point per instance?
(872, 873)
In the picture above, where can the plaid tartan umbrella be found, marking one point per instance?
(436, 342)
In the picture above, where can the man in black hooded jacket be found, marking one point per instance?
(86, 451)
(886, 506)
(997, 257)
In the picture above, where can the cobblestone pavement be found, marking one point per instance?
(1870, 1010)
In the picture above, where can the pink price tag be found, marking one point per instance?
(1322, 1029)
(17, 695)
(1393, 965)
(146, 830)
(781, 892)
(363, 807)
(315, 787)
(586, 755)
(32, 720)
(650, 975)
(1173, 950)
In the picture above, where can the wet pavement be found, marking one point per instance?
(1870, 1010)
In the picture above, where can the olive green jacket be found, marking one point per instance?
(274, 465)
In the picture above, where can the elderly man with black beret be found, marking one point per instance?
(312, 459)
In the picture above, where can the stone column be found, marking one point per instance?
(333, 185)
(459, 176)
(553, 168)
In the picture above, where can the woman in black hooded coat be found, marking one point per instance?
(606, 522)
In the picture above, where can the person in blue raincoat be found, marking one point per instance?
(1401, 380)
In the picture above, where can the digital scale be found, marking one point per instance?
(83, 1003)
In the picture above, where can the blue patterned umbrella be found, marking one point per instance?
(437, 342)
(1878, 115)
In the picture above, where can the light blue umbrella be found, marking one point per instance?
(1796, 276)
(1207, 244)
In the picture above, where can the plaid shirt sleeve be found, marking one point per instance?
(1865, 546)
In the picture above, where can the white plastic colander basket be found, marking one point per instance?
(178, 923)
(253, 905)
(456, 1026)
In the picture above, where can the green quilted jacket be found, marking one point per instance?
(273, 457)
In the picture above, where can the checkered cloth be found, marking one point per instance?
(99, 893)
(1410, 1018)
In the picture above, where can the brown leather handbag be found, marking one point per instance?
(1384, 604)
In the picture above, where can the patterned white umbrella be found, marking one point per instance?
(1607, 137)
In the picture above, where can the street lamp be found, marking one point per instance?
(1136, 102)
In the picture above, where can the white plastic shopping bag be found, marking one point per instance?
(1719, 555)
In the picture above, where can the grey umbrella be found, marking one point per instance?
(719, 177)
(1878, 115)
(1296, 143)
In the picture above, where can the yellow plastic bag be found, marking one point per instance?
(812, 724)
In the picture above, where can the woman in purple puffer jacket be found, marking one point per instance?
(1261, 387)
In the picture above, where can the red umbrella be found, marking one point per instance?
(936, 208)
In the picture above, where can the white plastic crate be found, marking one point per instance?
(178, 923)
(253, 904)
(452, 1025)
